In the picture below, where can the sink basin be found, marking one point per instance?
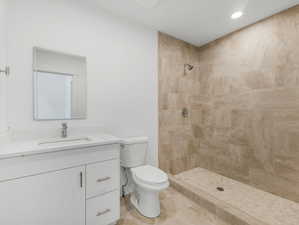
(64, 141)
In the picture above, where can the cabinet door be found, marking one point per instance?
(3, 63)
(56, 198)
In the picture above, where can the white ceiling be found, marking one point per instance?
(195, 21)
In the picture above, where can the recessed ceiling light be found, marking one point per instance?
(237, 15)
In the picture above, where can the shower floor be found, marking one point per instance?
(241, 201)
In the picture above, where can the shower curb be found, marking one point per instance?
(221, 209)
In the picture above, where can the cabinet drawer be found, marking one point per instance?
(102, 177)
(103, 210)
(19, 167)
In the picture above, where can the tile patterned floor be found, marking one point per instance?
(175, 209)
(239, 198)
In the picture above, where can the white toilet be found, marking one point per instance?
(148, 180)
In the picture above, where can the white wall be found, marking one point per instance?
(3, 34)
(121, 58)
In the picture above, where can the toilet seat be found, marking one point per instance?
(150, 175)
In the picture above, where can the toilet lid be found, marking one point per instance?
(150, 174)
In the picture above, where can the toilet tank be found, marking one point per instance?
(133, 152)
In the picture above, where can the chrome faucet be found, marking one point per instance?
(64, 130)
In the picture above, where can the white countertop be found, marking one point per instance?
(32, 147)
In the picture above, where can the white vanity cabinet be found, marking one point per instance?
(72, 187)
(51, 198)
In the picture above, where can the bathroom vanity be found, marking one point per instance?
(60, 183)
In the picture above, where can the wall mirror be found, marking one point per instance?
(59, 85)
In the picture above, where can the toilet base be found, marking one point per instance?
(146, 202)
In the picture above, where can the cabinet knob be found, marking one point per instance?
(104, 212)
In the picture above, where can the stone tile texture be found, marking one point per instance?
(237, 202)
(175, 209)
(242, 98)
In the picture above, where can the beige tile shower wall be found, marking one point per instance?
(179, 144)
(244, 106)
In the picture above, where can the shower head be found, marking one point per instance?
(189, 67)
